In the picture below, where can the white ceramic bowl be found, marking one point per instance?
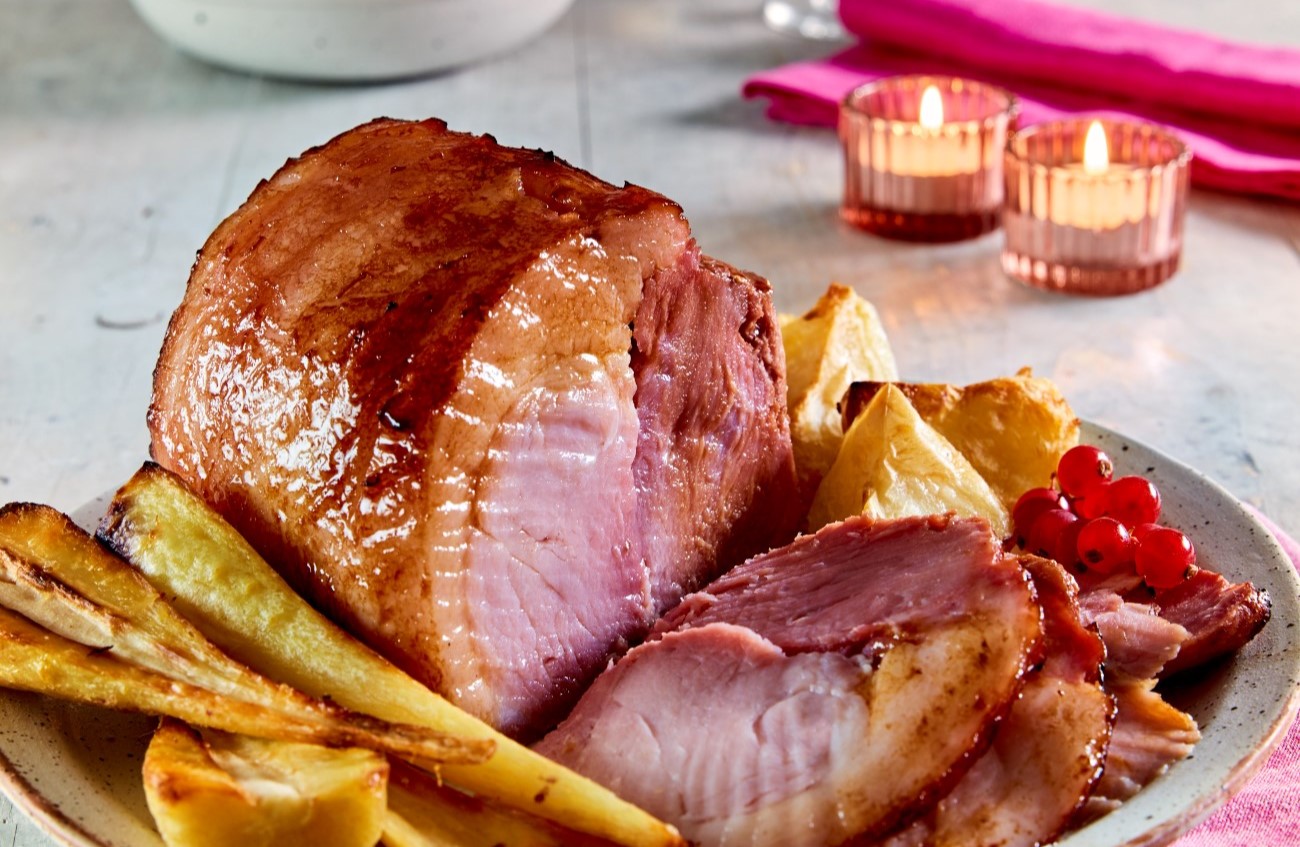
(347, 40)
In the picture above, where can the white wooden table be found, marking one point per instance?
(119, 155)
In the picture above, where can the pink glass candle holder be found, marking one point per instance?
(914, 174)
(1094, 223)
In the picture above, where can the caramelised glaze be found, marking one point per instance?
(816, 694)
(1047, 753)
(1220, 617)
(403, 369)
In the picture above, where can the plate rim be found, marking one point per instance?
(40, 811)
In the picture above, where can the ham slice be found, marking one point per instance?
(1219, 616)
(1151, 635)
(1149, 736)
(1157, 634)
(1139, 642)
(491, 413)
(825, 691)
(1047, 754)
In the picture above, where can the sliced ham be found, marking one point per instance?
(1219, 616)
(1139, 642)
(490, 412)
(1160, 633)
(1151, 635)
(1149, 736)
(821, 692)
(1046, 755)
(860, 588)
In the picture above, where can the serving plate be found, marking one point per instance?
(75, 770)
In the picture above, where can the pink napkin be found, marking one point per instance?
(1265, 811)
(1236, 106)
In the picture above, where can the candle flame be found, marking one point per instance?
(1096, 153)
(931, 108)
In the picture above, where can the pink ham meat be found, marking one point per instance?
(1149, 736)
(491, 413)
(821, 692)
(1161, 633)
(1139, 642)
(1047, 754)
(713, 454)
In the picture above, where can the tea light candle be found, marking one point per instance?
(923, 157)
(1094, 206)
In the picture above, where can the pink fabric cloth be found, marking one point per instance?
(1266, 811)
(1236, 106)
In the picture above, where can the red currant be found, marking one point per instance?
(1165, 557)
(1094, 503)
(1132, 500)
(1066, 551)
(1031, 504)
(1082, 468)
(1104, 545)
(1046, 531)
(1140, 530)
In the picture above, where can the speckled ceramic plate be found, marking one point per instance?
(1243, 706)
(76, 771)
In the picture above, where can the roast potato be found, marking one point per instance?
(838, 341)
(1013, 430)
(893, 464)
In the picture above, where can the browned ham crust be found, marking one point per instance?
(1219, 616)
